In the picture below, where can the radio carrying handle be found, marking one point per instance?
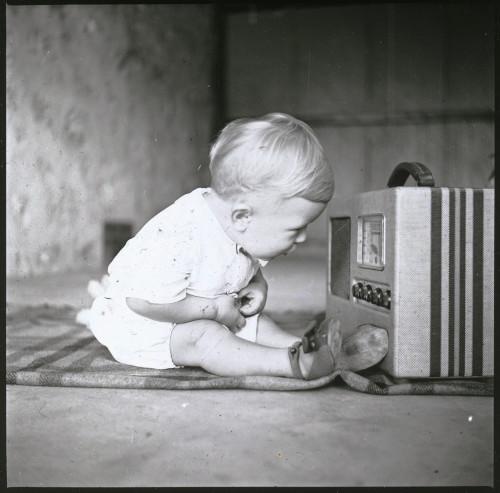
(421, 173)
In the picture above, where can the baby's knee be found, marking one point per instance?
(190, 342)
(200, 330)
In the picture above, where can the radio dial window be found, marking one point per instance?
(371, 241)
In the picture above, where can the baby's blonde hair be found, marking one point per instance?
(275, 152)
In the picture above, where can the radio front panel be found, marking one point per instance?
(359, 273)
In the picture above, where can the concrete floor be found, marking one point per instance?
(325, 437)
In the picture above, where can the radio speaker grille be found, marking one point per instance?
(340, 251)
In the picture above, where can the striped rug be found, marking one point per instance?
(46, 346)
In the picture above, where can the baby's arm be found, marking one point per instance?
(223, 309)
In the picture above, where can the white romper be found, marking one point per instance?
(182, 250)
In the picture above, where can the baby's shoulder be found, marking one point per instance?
(182, 217)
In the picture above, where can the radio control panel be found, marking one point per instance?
(372, 293)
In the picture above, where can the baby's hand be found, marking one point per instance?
(253, 299)
(228, 312)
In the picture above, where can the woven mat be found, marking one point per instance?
(46, 346)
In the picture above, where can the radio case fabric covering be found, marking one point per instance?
(435, 269)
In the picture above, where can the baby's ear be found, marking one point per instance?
(241, 215)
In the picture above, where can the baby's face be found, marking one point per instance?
(277, 227)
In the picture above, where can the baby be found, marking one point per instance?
(188, 289)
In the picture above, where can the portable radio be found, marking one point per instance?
(417, 261)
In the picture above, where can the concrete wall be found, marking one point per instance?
(380, 84)
(109, 112)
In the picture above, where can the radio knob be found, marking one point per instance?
(357, 289)
(378, 299)
(387, 298)
(367, 293)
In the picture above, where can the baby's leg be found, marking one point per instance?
(271, 334)
(212, 346)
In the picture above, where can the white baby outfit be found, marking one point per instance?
(182, 250)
